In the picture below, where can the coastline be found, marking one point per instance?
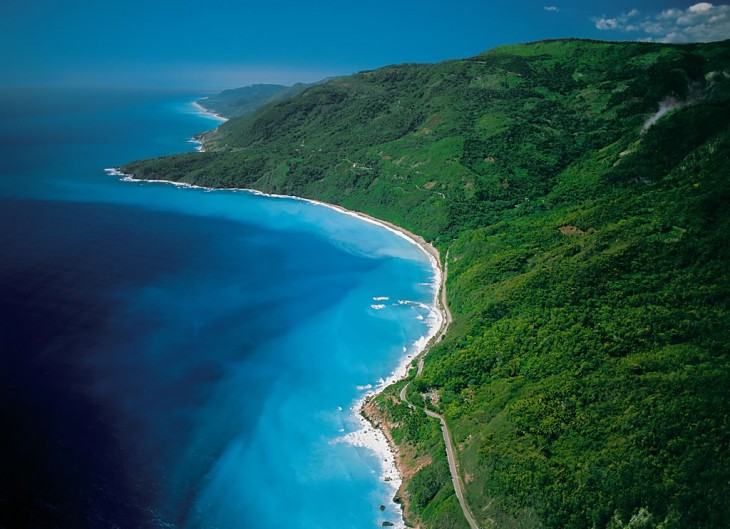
(202, 110)
(200, 146)
(373, 433)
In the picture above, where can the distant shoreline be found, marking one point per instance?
(374, 435)
(208, 112)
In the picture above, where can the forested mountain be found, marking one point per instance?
(241, 101)
(581, 190)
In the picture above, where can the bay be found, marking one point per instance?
(182, 357)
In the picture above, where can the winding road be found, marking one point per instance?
(450, 456)
(454, 468)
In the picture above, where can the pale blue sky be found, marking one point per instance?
(233, 43)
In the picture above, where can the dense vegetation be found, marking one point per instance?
(586, 377)
(242, 101)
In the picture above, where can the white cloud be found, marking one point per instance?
(670, 14)
(552, 9)
(700, 8)
(622, 22)
(607, 23)
(701, 22)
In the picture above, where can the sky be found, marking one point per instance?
(224, 44)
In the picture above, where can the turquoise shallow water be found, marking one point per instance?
(182, 358)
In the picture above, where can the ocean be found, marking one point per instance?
(185, 358)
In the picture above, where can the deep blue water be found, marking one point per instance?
(176, 357)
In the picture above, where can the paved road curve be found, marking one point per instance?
(453, 467)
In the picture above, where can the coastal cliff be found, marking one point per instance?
(581, 191)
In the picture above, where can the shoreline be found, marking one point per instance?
(373, 434)
(209, 114)
(202, 110)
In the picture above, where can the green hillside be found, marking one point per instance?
(586, 376)
(245, 100)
